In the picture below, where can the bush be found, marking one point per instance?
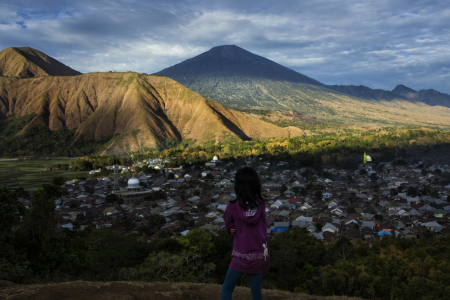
(12, 272)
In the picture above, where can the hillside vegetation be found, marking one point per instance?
(129, 110)
(326, 146)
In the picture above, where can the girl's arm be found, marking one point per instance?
(229, 220)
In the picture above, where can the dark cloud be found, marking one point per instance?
(379, 44)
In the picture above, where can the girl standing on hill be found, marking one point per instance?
(245, 219)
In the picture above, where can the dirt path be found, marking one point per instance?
(84, 290)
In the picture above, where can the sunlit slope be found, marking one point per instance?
(137, 110)
(329, 105)
(25, 62)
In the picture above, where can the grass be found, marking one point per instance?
(120, 290)
(31, 174)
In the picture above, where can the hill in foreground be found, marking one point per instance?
(130, 109)
(242, 80)
(26, 62)
(83, 290)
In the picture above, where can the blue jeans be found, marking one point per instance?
(233, 277)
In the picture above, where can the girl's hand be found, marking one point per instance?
(232, 230)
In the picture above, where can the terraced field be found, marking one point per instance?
(31, 174)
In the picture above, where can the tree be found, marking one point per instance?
(199, 242)
(342, 248)
(379, 217)
(38, 224)
(180, 216)
(318, 195)
(283, 188)
(202, 207)
(21, 192)
(89, 189)
(170, 267)
(111, 198)
(171, 176)
(319, 226)
(82, 164)
(290, 252)
(400, 162)
(108, 251)
(59, 180)
(434, 194)
(159, 195)
(11, 211)
(411, 191)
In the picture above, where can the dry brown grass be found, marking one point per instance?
(81, 290)
(140, 110)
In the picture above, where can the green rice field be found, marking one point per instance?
(31, 174)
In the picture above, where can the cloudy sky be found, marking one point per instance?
(378, 43)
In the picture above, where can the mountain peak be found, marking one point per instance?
(232, 52)
(229, 73)
(404, 91)
(28, 62)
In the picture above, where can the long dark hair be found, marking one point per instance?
(248, 188)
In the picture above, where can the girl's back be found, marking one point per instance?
(247, 216)
(245, 219)
(250, 252)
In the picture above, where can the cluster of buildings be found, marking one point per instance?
(355, 204)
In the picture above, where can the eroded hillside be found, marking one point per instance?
(135, 110)
(26, 62)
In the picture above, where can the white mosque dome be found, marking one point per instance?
(215, 158)
(133, 182)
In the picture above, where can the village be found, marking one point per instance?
(368, 203)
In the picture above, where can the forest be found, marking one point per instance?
(393, 268)
(340, 147)
(19, 140)
(321, 144)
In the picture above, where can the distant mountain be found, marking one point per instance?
(430, 97)
(133, 110)
(404, 91)
(232, 63)
(367, 93)
(241, 80)
(25, 62)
